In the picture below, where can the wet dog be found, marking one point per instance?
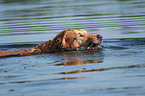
(71, 38)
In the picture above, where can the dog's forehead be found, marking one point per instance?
(80, 31)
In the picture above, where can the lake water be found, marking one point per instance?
(116, 70)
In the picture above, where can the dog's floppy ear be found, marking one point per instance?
(60, 41)
(67, 39)
(64, 40)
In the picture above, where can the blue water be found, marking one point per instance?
(118, 69)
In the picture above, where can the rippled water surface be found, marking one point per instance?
(118, 69)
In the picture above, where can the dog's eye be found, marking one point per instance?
(81, 35)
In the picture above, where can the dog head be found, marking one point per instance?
(79, 38)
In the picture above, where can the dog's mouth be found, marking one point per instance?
(96, 45)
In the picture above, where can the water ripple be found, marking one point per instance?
(116, 70)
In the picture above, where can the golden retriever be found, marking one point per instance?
(70, 38)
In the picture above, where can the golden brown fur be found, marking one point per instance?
(66, 39)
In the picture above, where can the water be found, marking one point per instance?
(117, 69)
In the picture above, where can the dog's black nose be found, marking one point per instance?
(99, 36)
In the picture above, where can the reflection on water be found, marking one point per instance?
(83, 58)
(103, 69)
(83, 70)
(78, 61)
(117, 69)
